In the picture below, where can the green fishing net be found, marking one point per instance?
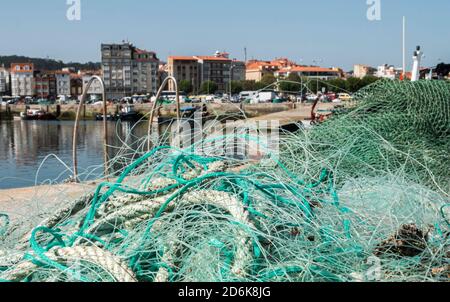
(361, 197)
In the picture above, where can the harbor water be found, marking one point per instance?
(37, 152)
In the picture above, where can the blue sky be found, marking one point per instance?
(336, 31)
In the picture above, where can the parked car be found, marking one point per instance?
(311, 97)
(331, 96)
(43, 101)
(9, 101)
(195, 100)
(344, 97)
(324, 98)
(235, 99)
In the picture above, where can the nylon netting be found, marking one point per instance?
(361, 197)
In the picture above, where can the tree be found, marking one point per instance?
(368, 80)
(209, 87)
(48, 64)
(337, 85)
(312, 86)
(294, 77)
(442, 69)
(353, 84)
(248, 85)
(260, 85)
(186, 86)
(268, 79)
(236, 87)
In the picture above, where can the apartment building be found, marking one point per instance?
(256, 69)
(45, 84)
(63, 83)
(128, 70)
(22, 80)
(184, 68)
(5, 81)
(238, 70)
(216, 69)
(360, 71)
(145, 72)
(388, 72)
(95, 90)
(76, 85)
(311, 72)
(117, 64)
(199, 69)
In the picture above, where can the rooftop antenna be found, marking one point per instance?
(245, 54)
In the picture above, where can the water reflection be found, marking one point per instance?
(25, 144)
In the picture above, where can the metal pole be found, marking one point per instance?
(317, 85)
(231, 79)
(315, 62)
(105, 128)
(152, 114)
(404, 48)
(301, 88)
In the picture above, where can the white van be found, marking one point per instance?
(247, 95)
(264, 97)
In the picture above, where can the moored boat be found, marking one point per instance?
(129, 114)
(36, 114)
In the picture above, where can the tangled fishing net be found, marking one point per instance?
(361, 197)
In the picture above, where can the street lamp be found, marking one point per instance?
(231, 79)
(315, 62)
(301, 84)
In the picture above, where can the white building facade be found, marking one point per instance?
(63, 83)
(388, 72)
(5, 84)
(96, 88)
(22, 79)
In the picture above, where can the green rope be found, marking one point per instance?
(4, 224)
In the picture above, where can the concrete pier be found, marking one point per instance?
(89, 112)
(20, 203)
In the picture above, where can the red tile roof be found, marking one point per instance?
(75, 76)
(22, 66)
(308, 69)
(182, 58)
(212, 58)
(257, 65)
(143, 51)
(62, 72)
(274, 64)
